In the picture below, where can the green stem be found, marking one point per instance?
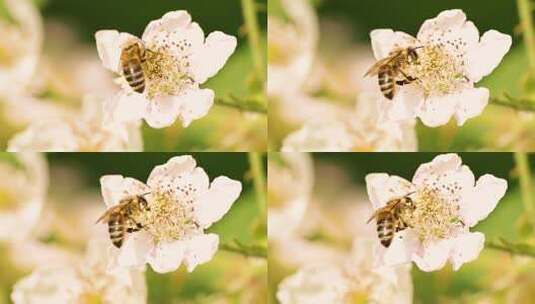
(259, 179)
(522, 167)
(526, 20)
(248, 251)
(512, 248)
(249, 105)
(517, 104)
(253, 34)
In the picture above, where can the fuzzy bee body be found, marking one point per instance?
(122, 218)
(390, 218)
(389, 70)
(132, 57)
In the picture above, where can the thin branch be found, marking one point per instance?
(524, 173)
(248, 251)
(526, 20)
(249, 104)
(253, 33)
(517, 104)
(512, 248)
(259, 178)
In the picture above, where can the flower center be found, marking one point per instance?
(438, 70)
(169, 219)
(164, 74)
(283, 42)
(90, 298)
(8, 200)
(434, 216)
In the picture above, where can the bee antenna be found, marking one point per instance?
(145, 193)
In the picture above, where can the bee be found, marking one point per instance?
(132, 57)
(390, 218)
(121, 218)
(389, 70)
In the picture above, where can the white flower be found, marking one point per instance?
(291, 47)
(448, 202)
(84, 282)
(361, 130)
(84, 131)
(23, 186)
(182, 204)
(20, 46)
(451, 59)
(353, 280)
(180, 59)
(290, 181)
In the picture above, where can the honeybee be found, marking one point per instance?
(389, 70)
(132, 57)
(390, 218)
(121, 218)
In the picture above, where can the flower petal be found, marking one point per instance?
(176, 166)
(485, 57)
(168, 23)
(216, 202)
(116, 187)
(200, 250)
(405, 105)
(135, 250)
(194, 104)
(434, 255)
(383, 187)
(166, 257)
(109, 47)
(478, 204)
(449, 26)
(124, 107)
(400, 251)
(212, 56)
(437, 110)
(162, 111)
(447, 19)
(473, 101)
(466, 248)
(385, 40)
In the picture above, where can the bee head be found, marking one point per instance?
(143, 203)
(413, 55)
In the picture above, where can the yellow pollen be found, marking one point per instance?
(434, 216)
(438, 71)
(165, 74)
(169, 219)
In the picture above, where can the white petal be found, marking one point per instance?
(109, 47)
(216, 202)
(213, 55)
(437, 110)
(125, 107)
(466, 248)
(194, 104)
(169, 22)
(472, 103)
(385, 40)
(174, 167)
(488, 54)
(450, 26)
(404, 106)
(454, 19)
(116, 187)
(440, 164)
(382, 188)
(135, 250)
(162, 111)
(200, 250)
(478, 204)
(401, 249)
(434, 255)
(166, 257)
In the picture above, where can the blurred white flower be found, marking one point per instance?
(20, 46)
(353, 280)
(290, 181)
(182, 204)
(361, 130)
(23, 187)
(448, 202)
(179, 59)
(84, 282)
(83, 132)
(291, 47)
(451, 59)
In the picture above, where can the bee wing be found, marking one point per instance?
(386, 209)
(374, 69)
(108, 212)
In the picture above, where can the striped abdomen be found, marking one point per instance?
(131, 59)
(116, 229)
(385, 229)
(387, 82)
